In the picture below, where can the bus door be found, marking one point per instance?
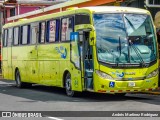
(86, 59)
(9, 53)
(75, 56)
(81, 56)
(33, 65)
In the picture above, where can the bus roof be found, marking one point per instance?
(97, 9)
(117, 9)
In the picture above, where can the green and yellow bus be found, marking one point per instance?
(98, 49)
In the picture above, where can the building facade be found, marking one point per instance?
(153, 5)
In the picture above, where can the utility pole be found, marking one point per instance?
(4, 13)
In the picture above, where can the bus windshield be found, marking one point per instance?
(125, 38)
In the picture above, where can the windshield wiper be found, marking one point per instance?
(130, 23)
(138, 54)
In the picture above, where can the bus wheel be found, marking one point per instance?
(68, 85)
(19, 84)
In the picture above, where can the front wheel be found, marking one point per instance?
(68, 85)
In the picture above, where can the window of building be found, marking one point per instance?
(42, 32)
(5, 13)
(12, 12)
(82, 19)
(25, 34)
(16, 36)
(66, 28)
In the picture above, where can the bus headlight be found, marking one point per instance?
(153, 74)
(104, 75)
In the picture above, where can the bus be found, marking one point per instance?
(97, 49)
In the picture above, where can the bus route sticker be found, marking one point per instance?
(62, 51)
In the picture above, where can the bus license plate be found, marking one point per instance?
(131, 84)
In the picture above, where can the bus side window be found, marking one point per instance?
(67, 26)
(82, 19)
(25, 33)
(42, 29)
(16, 36)
(51, 31)
(5, 38)
(10, 35)
(34, 33)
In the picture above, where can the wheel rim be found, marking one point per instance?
(69, 86)
(18, 79)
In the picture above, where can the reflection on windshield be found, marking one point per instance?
(113, 32)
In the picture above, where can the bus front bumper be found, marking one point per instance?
(114, 86)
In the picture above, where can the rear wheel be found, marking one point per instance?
(19, 83)
(68, 85)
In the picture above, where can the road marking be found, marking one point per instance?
(54, 118)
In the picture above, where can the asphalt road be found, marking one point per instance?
(42, 98)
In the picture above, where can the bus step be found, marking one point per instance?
(90, 90)
(89, 83)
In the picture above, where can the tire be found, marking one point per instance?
(68, 85)
(18, 79)
(19, 83)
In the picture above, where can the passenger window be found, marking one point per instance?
(34, 32)
(25, 34)
(82, 19)
(66, 27)
(5, 38)
(16, 36)
(42, 32)
(52, 31)
(10, 32)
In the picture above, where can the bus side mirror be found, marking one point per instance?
(92, 38)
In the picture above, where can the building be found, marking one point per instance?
(152, 5)
(61, 5)
(12, 8)
(23, 6)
